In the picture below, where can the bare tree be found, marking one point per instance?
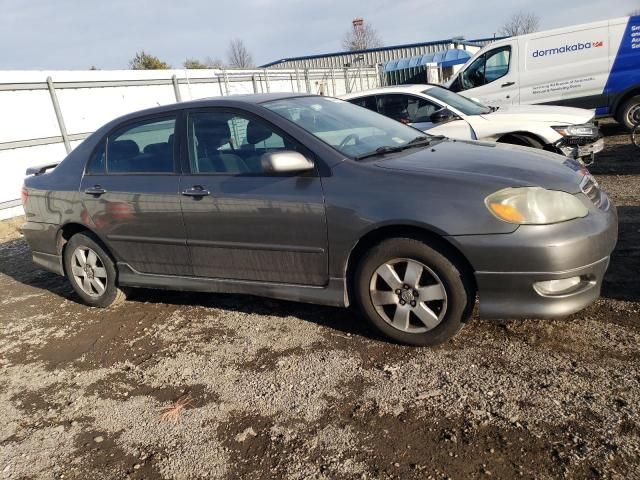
(520, 23)
(238, 56)
(634, 13)
(361, 36)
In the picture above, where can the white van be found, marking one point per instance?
(594, 65)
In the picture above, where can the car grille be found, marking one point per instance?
(591, 189)
(580, 141)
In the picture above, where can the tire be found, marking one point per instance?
(629, 112)
(451, 295)
(98, 271)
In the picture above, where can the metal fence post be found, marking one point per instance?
(59, 117)
(266, 80)
(226, 81)
(307, 83)
(298, 79)
(254, 83)
(176, 88)
(333, 83)
(346, 81)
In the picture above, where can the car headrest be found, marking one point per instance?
(211, 131)
(123, 148)
(257, 132)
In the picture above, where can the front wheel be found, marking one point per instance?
(413, 293)
(629, 114)
(91, 272)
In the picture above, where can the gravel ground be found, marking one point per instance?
(274, 389)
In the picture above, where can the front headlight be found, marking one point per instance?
(534, 206)
(586, 130)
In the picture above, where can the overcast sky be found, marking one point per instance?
(75, 34)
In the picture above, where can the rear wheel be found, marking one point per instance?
(413, 293)
(629, 113)
(91, 272)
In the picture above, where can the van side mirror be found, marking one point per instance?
(443, 115)
(285, 161)
(455, 85)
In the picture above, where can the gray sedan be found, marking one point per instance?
(313, 199)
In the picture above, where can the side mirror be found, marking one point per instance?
(285, 161)
(443, 115)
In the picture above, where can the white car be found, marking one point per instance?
(568, 131)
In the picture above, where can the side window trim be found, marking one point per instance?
(185, 155)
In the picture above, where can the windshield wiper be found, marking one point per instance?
(416, 142)
(380, 151)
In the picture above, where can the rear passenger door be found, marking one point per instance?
(243, 223)
(131, 196)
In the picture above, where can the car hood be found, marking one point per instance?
(498, 165)
(541, 113)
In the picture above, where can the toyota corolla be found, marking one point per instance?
(314, 199)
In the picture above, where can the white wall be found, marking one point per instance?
(28, 114)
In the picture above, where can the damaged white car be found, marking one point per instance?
(569, 131)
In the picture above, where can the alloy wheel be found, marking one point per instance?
(88, 271)
(408, 295)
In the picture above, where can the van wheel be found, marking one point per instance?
(91, 272)
(412, 293)
(629, 113)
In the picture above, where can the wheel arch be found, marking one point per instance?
(622, 99)
(524, 137)
(421, 233)
(68, 230)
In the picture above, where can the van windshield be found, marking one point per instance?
(463, 104)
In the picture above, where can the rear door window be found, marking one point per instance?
(143, 147)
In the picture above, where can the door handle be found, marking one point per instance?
(508, 84)
(196, 191)
(95, 190)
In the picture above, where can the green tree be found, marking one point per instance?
(192, 63)
(146, 61)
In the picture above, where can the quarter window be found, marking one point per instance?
(145, 147)
(225, 142)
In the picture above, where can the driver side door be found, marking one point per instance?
(243, 223)
(492, 78)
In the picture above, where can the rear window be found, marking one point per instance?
(144, 147)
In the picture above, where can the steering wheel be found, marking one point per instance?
(348, 138)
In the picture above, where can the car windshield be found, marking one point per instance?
(463, 104)
(354, 131)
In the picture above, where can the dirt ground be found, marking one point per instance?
(275, 389)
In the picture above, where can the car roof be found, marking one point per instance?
(226, 101)
(417, 88)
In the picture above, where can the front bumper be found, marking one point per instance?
(580, 148)
(508, 266)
